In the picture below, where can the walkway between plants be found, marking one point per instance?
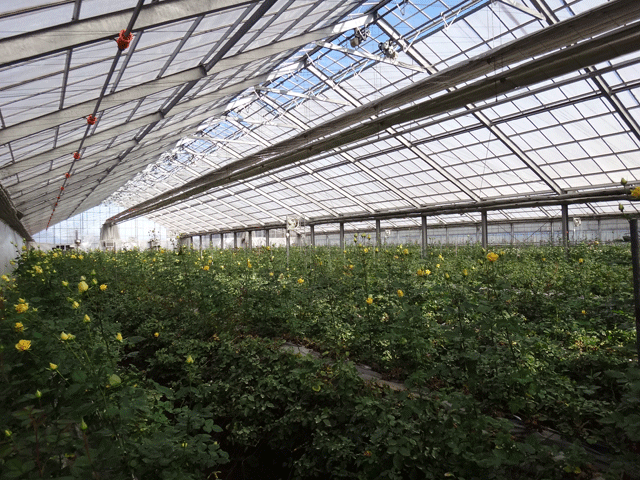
(520, 430)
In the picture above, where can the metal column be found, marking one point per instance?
(565, 228)
(222, 241)
(424, 236)
(250, 240)
(341, 235)
(635, 262)
(235, 240)
(266, 237)
(312, 231)
(485, 229)
(378, 234)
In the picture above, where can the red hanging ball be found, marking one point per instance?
(67, 175)
(91, 120)
(76, 155)
(61, 188)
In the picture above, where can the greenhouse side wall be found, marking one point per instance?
(7, 250)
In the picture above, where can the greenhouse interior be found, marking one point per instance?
(305, 239)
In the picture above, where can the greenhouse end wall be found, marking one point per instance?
(7, 249)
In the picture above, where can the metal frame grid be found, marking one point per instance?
(235, 114)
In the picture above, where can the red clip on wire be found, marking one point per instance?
(76, 155)
(91, 120)
(122, 41)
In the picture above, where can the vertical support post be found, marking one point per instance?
(378, 234)
(565, 228)
(266, 237)
(211, 241)
(312, 231)
(200, 247)
(287, 236)
(599, 232)
(424, 236)
(446, 235)
(341, 235)
(485, 229)
(551, 233)
(235, 240)
(635, 262)
(222, 241)
(512, 233)
(250, 240)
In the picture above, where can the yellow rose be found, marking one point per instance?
(189, 359)
(37, 269)
(369, 300)
(53, 366)
(581, 260)
(23, 345)
(22, 307)
(405, 251)
(64, 337)
(248, 263)
(75, 305)
(83, 287)
(492, 257)
(65, 283)
(400, 293)
(635, 193)
(119, 336)
(465, 272)
(300, 281)
(205, 268)
(5, 278)
(156, 334)
(18, 327)
(103, 287)
(87, 319)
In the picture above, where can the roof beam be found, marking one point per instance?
(106, 27)
(370, 56)
(501, 136)
(356, 103)
(332, 134)
(188, 76)
(523, 8)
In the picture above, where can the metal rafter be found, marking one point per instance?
(551, 19)
(106, 27)
(296, 190)
(424, 157)
(600, 48)
(184, 77)
(497, 133)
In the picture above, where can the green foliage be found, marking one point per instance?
(174, 369)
